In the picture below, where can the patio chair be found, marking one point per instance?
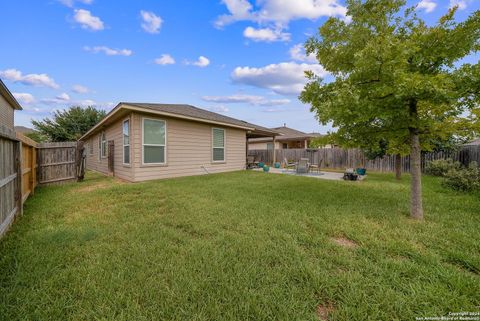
(316, 167)
(288, 165)
(251, 163)
(302, 166)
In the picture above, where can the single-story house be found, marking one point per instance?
(138, 142)
(8, 105)
(289, 138)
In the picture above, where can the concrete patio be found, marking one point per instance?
(322, 175)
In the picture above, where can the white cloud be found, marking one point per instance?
(201, 62)
(87, 21)
(165, 59)
(29, 79)
(279, 11)
(24, 98)
(266, 34)
(62, 100)
(275, 102)
(286, 78)
(151, 22)
(71, 3)
(219, 109)
(427, 5)
(79, 89)
(297, 53)
(249, 99)
(462, 4)
(63, 97)
(109, 51)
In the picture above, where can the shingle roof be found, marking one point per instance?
(195, 112)
(188, 112)
(287, 134)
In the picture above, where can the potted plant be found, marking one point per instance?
(266, 168)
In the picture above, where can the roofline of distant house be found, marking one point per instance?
(280, 138)
(8, 96)
(126, 106)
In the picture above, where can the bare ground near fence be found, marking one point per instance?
(338, 158)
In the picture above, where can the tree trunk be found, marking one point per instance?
(416, 207)
(398, 166)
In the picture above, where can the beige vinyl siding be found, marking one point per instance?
(99, 164)
(6, 113)
(188, 148)
(263, 145)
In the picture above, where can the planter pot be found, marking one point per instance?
(261, 164)
(266, 168)
(277, 165)
(361, 171)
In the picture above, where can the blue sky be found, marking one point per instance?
(240, 58)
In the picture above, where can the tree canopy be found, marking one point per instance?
(396, 79)
(69, 124)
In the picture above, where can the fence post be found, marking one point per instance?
(33, 163)
(18, 170)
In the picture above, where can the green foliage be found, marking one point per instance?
(322, 141)
(69, 124)
(441, 167)
(394, 75)
(463, 179)
(37, 136)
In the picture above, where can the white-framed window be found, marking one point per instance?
(92, 146)
(126, 141)
(154, 139)
(269, 146)
(218, 144)
(103, 145)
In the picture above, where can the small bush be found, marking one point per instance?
(441, 167)
(463, 179)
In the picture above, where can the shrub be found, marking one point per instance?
(463, 179)
(441, 167)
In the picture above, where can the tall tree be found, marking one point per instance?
(395, 77)
(69, 124)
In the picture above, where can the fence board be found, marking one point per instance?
(10, 178)
(338, 158)
(57, 162)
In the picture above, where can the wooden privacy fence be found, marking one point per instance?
(338, 158)
(58, 162)
(28, 159)
(10, 178)
(24, 164)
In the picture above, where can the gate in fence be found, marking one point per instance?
(60, 162)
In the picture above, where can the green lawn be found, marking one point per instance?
(240, 246)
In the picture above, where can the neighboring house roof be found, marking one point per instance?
(287, 134)
(187, 112)
(475, 142)
(8, 96)
(23, 130)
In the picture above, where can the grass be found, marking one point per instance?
(241, 246)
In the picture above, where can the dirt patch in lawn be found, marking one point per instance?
(324, 311)
(343, 241)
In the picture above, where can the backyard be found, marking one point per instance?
(241, 246)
